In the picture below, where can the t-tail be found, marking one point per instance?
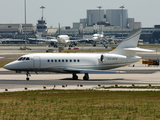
(128, 47)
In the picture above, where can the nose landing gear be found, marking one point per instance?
(27, 74)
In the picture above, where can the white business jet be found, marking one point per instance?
(75, 63)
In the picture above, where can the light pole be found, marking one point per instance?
(25, 20)
(99, 17)
(122, 20)
(42, 11)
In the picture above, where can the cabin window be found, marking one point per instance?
(24, 58)
(27, 58)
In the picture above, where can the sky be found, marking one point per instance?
(66, 12)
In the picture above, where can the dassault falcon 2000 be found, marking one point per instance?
(86, 63)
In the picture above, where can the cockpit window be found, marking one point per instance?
(20, 59)
(23, 58)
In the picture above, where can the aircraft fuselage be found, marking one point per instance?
(58, 62)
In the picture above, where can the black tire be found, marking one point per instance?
(75, 77)
(85, 78)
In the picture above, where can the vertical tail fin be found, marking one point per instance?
(130, 42)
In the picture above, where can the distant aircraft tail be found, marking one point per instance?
(128, 47)
(101, 33)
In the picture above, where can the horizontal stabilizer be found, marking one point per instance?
(91, 71)
(136, 49)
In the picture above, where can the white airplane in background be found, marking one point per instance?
(86, 63)
(96, 37)
(63, 39)
(46, 40)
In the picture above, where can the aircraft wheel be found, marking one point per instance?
(86, 76)
(75, 77)
(94, 45)
(55, 46)
(27, 74)
(70, 45)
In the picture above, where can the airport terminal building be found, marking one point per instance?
(110, 21)
(113, 17)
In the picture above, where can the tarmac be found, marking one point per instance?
(17, 82)
(139, 75)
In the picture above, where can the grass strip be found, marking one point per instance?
(133, 87)
(3, 63)
(80, 104)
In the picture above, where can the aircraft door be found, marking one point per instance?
(36, 63)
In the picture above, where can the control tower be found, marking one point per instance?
(41, 25)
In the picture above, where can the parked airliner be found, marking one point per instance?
(96, 37)
(64, 39)
(75, 63)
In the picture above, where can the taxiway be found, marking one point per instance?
(17, 81)
(139, 75)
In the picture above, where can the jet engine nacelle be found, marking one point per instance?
(112, 58)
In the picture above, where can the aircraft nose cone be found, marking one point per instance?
(9, 66)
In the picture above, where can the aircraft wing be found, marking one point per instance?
(91, 71)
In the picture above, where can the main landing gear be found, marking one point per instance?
(75, 77)
(27, 74)
(86, 76)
